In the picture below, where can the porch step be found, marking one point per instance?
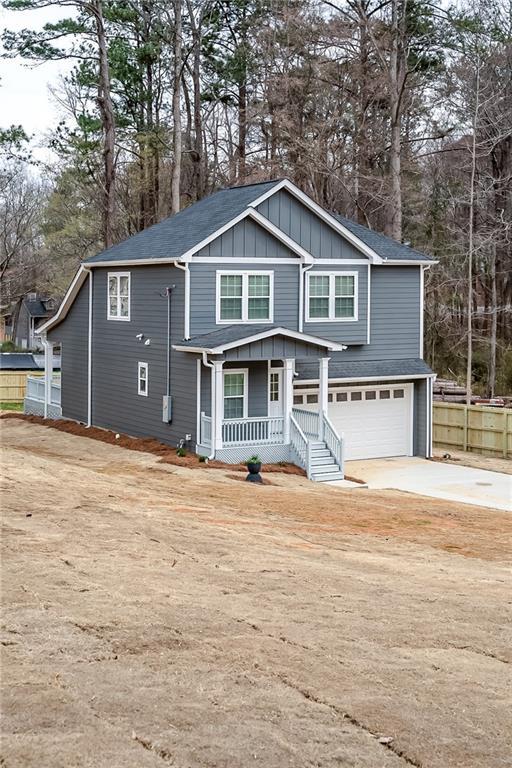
(320, 455)
(327, 477)
(317, 461)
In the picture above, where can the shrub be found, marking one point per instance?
(181, 452)
(202, 459)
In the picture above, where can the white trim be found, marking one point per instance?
(302, 278)
(263, 221)
(198, 400)
(217, 404)
(422, 289)
(131, 262)
(186, 320)
(245, 373)
(409, 262)
(72, 291)
(142, 367)
(340, 262)
(368, 304)
(332, 296)
(244, 320)
(89, 353)
(324, 215)
(118, 276)
(242, 260)
(278, 331)
(289, 365)
(410, 377)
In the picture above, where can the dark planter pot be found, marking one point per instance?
(254, 468)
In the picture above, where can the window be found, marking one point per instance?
(341, 397)
(311, 398)
(298, 399)
(384, 394)
(370, 395)
(398, 393)
(235, 395)
(118, 296)
(244, 297)
(332, 296)
(142, 378)
(356, 396)
(274, 387)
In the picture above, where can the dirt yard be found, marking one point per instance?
(156, 615)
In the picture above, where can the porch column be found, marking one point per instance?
(289, 365)
(217, 404)
(48, 374)
(323, 398)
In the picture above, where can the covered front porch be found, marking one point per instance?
(245, 396)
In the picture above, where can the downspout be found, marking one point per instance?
(168, 291)
(212, 406)
(89, 350)
(45, 344)
(186, 324)
(302, 271)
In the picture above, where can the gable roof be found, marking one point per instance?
(385, 246)
(233, 336)
(36, 308)
(176, 235)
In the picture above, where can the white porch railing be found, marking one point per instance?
(308, 421)
(266, 430)
(35, 389)
(300, 445)
(333, 441)
(206, 429)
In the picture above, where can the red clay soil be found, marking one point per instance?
(166, 453)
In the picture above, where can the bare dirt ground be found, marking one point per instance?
(159, 616)
(492, 463)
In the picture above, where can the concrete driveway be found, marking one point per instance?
(431, 478)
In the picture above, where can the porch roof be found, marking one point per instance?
(233, 336)
(367, 369)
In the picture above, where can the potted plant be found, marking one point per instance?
(254, 465)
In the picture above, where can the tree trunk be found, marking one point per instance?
(242, 130)
(494, 326)
(176, 111)
(397, 73)
(108, 124)
(197, 154)
(471, 223)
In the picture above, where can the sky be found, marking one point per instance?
(24, 96)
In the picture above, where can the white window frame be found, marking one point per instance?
(245, 372)
(118, 276)
(245, 296)
(143, 367)
(332, 297)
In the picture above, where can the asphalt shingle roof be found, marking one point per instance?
(36, 308)
(359, 370)
(384, 246)
(24, 361)
(225, 335)
(174, 236)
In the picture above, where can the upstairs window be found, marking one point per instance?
(331, 296)
(244, 297)
(118, 296)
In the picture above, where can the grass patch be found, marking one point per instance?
(11, 406)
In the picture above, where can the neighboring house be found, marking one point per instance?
(21, 320)
(252, 322)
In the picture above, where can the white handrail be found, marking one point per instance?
(309, 421)
(333, 441)
(301, 445)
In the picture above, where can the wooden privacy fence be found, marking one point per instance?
(473, 428)
(13, 385)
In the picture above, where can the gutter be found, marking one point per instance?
(186, 325)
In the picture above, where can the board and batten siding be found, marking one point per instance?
(248, 240)
(116, 403)
(203, 286)
(306, 228)
(73, 336)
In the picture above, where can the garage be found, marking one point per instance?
(375, 421)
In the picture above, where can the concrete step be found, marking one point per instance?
(323, 469)
(325, 478)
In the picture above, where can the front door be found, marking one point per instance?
(275, 392)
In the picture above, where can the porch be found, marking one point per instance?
(245, 401)
(42, 399)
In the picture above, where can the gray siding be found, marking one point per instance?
(394, 317)
(247, 239)
(203, 294)
(304, 226)
(276, 347)
(420, 417)
(344, 332)
(73, 335)
(117, 352)
(257, 387)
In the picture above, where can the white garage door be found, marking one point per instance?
(375, 421)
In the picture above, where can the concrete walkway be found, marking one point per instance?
(431, 478)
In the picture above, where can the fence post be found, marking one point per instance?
(505, 434)
(465, 433)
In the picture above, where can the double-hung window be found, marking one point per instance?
(244, 297)
(142, 379)
(331, 296)
(235, 394)
(118, 296)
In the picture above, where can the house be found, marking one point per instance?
(252, 322)
(20, 321)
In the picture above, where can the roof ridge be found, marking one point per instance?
(255, 183)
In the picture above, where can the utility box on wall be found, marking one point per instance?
(167, 409)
